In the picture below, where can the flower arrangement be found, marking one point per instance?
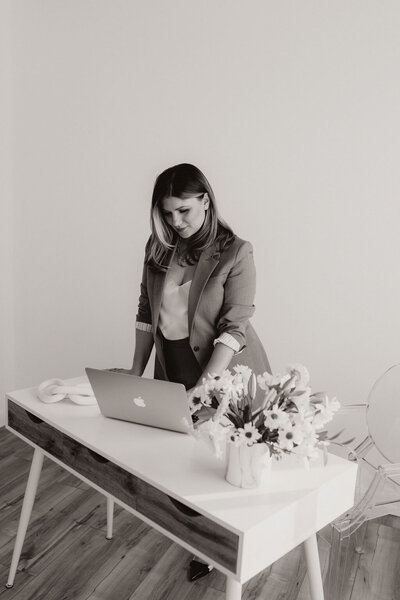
(289, 420)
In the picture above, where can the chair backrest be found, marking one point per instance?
(383, 414)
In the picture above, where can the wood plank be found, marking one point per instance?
(196, 529)
(46, 529)
(11, 470)
(255, 588)
(280, 580)
(377, 574)
(9, 443)
(52, 473)
(9, 515)
(74, 573)
(68, 557)
(57, 515)
(139, 559)
(22, 578)
(167, 580)
(201, 592)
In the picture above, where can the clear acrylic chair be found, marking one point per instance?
(378, 481)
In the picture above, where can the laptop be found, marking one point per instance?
(140, 400)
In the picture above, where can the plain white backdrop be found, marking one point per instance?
(290, 109)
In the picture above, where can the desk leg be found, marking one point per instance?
(233, 589)
(110, 516)
(314, 568)
(29, 498)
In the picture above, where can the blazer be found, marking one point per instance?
(221, 300)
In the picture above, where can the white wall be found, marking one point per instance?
(7, 330)
(290, 108)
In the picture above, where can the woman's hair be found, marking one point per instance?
(183, 181)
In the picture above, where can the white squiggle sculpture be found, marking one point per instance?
(54, 390)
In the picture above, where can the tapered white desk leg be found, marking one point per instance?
(29, 498)
(233, 589)
(314, 568)
(110, 517)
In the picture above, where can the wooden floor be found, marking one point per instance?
(66, 555)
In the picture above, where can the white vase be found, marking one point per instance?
(247, 466)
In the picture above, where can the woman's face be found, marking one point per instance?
(185, 216)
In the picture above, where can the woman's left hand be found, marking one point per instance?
(119, 370)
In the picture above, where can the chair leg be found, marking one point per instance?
(344, 550)
(110, 517)
(359, 538)
(29, 498)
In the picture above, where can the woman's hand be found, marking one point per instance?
(119, 370)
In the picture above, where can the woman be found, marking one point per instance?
(197, 290)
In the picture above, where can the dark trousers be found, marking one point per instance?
(180, 362)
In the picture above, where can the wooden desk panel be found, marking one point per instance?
(190, 526)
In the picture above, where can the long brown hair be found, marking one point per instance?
(183, 181)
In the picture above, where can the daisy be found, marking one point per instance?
(235, 438)
(205, 392)
(275, 418)
(194, 402)
(289, 437)
(249, 434)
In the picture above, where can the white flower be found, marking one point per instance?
(333, 405)
(223, 384)
(199, 397)
(266, 380)
(241, 378)
(302, 401)
(275, 418)
(290, 436)
(222, 408)
(249, 434)
(270, 398)
(308, 448)
(296, 421)
(243, 370)
(212, 432)
(235, 438)
(195, 400)
(305, 425)
(324, 412)
(232, 390)
(301, 374)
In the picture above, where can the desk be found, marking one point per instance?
(173, 483)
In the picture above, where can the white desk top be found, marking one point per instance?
(292, 504)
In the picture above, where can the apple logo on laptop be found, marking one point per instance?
(139, 401)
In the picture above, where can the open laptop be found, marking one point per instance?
(145, 401)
